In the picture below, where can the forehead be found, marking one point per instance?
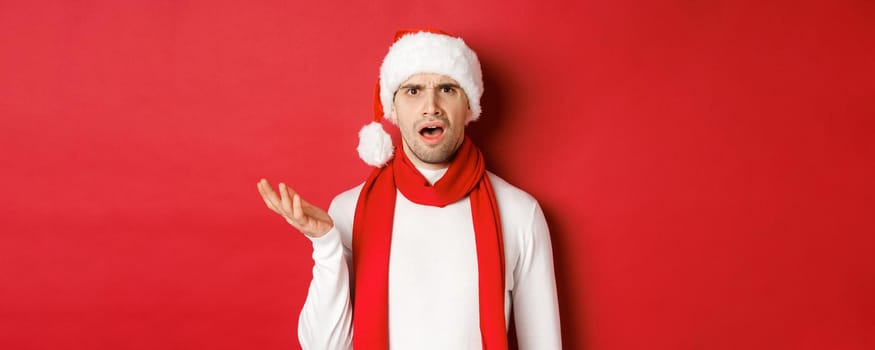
(429, 79)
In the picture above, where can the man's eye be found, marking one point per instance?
(447, 89)
(412, 91)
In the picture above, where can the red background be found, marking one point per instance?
(706, 166)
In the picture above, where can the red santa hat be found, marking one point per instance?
(414, 52)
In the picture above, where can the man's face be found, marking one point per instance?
(431, 110)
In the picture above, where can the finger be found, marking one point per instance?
(267, 191)
(298, 210)
(292, 193)
(271, 206)
(261, 185)
(286, 200)
(275, 204)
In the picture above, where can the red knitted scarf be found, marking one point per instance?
(372, 237)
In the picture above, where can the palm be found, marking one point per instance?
(307, 218)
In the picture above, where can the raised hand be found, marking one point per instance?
(307, 218)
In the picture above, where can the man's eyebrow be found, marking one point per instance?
(420, 86)
(449, 85)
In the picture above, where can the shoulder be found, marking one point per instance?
(342, 212)
(346, 200)
(522, 220)
(512, 201)
(523, 227)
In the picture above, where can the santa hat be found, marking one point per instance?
(414, 52)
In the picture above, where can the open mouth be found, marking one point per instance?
(431, 132)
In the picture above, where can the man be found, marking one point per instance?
(432, 251)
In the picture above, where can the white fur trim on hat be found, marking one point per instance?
(375, 145)
(425, 52)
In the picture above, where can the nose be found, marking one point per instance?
(431, 107)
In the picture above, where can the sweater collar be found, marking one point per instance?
(432, 175)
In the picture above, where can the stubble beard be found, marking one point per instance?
(436, 154)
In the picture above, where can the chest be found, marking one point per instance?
(433, 246)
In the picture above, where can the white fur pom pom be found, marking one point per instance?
(375, 145)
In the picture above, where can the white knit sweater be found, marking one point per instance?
(433, 290)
